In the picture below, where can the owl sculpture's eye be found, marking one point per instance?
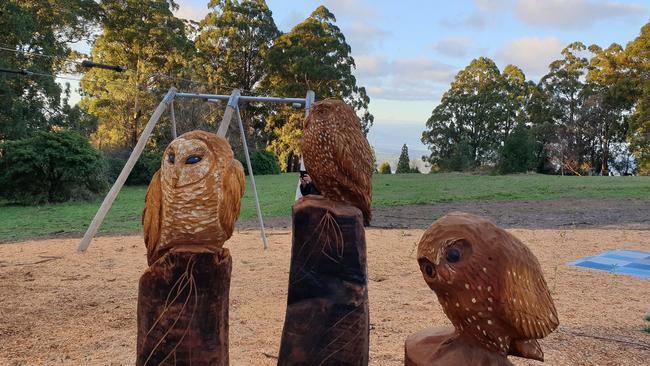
(171, 158)
(453, 255)
(193, 159)
(428, 269)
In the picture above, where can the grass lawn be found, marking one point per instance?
(277, 193)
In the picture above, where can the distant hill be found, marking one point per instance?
(387, 137)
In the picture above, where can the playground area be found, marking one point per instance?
(63, 308)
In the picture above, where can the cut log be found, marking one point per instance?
(183, 310)
(326, 321)
(444, 347)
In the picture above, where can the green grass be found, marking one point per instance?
(277, 193)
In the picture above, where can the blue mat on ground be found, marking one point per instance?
(626, 262)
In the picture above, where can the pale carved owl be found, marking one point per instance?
(194, 198)
(337, 155)
(489, 284)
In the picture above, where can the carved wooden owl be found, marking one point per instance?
(337, 155)
(490, 285)
(194, 198)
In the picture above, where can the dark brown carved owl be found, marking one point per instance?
(490, 285)
(337, 155)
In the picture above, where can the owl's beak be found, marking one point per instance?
(174, 177)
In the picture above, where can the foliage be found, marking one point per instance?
(286, 144)
(464, 129)
(518, 151)
(384, 168)
(146, 166)
(31, 103)
(232, 45)
(312, 56)
(637, 60)
(264, 163)
(154, 48)
(403, 164)
(50, 167)
(646, 327)
(580, 113)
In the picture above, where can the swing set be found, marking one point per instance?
(232, 109)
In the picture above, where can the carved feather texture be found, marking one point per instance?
(490, 284)
(337, 155)
(195, 197)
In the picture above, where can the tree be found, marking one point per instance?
(465, 129)
(515, 90)
(384, 168)
(609, 100)
(518, 151)
(30, 103)
(636, 58)
(313, 55)
(403, 161)
(232, 46)
(154, 47)
(50, 167)
(566, 89)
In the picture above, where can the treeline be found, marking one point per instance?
(237, 45)
(590, 113)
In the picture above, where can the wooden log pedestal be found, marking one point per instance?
(442, 347)
(327, 321)
(183, 309)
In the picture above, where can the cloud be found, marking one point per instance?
(531, 54)
(362, 36)
(492, 5)
(453, 46)
(475, 20)
(573, 14)
(404, 78)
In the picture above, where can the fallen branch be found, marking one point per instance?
(581, 334)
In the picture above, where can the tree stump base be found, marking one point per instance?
(183, 309)
(443, 347)
(326, 321)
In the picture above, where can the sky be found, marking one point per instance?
(407, 52)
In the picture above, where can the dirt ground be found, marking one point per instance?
(58, 307)
(532, 214)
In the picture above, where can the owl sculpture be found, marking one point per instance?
(489, 284)
(337, 155)
(194, 198)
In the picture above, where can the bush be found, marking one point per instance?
(50, 167)
(384, 168)
(143, 169)
(263, 163)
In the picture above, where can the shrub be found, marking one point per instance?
(384, 168)
(50, 167)
(263, 163)
(143, 169)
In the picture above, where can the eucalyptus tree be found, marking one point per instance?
(313, 55)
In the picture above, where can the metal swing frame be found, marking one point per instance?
(232, 108)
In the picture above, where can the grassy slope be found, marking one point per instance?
(277, 192)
